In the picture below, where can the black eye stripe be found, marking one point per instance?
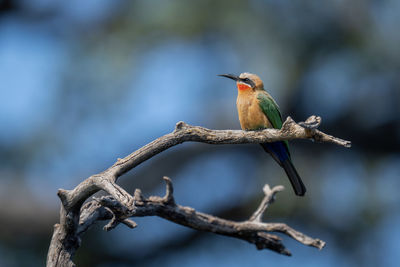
(248, 81)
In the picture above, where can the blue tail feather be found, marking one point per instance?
(277, 150)
(281, 155)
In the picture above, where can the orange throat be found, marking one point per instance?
(243, 87)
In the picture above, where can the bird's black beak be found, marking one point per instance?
(230, 76)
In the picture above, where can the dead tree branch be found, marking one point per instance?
(76, 217)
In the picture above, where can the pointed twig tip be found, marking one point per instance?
(319, 244)
(130, 223)
(180, 125)
(169, 192)
(278, 188)
(167, 179)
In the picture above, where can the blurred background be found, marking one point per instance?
(86, 82)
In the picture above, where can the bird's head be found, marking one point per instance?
(246, 81)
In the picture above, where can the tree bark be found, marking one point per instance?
(119, 206)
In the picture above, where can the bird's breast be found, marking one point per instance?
(251, 116)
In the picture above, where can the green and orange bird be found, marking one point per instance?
(258, 110)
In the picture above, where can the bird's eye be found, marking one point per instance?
(247, 80)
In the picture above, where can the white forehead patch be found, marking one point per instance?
(246, 75)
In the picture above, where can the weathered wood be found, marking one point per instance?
(119, 206)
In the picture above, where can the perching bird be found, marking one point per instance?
(258, 110)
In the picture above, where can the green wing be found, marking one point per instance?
(271, 110)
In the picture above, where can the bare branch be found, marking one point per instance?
(75, 219)
(268, 199)
(253, 230)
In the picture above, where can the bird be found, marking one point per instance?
(257, 110)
